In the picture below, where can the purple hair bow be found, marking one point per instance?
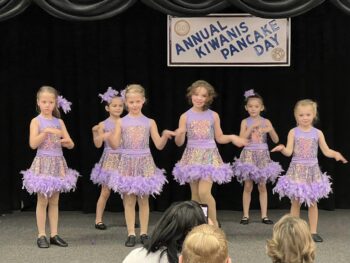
(122, 94)
(108, 95)
(63, 104)
(249, 93)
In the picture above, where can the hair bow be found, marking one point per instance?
(63, 104)
(249, 93)
(108, 95)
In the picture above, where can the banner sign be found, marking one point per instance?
(228, 40)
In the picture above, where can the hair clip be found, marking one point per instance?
(249, 93)
(108, 95)
(63, 104)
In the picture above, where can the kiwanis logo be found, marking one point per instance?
(182, 27)
(278, 54)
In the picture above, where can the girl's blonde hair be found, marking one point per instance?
(135, 88)
(291, 241)
(205, 244)
(56, 113)
(307, 102)
(203, 84)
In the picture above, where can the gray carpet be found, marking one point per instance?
(88, 245)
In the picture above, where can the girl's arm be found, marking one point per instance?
(245, 131)
(181, 131)
(160, 141)
(327, 151)
(286, 150)
(221, 138)
(35, 137)
(66, 140)
(271, 131)
(114, 138)
(98, 134)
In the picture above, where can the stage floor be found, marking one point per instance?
(89, 245)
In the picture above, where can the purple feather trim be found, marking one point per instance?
(47, 184)
(248, 171)
(308, 193)
(138, 185)
(99, 175)
(188, 173)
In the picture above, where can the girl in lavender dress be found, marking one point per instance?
(101, 172)
(304, 181)
(254, 164)
(136, 176)
(49, 174)
(201, 163)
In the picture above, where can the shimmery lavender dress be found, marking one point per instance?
(254, 162)
(136, 172)
(201, 159)
(304, 180)
(49, 173)
(101, 172)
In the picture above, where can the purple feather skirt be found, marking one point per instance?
(305, 183)
(257, 166)
(101, 172)
(202, 164)
(48, 175)
(137, 175)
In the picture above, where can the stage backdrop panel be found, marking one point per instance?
(228, 40)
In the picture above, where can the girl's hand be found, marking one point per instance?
(179, 131)
(95, 129)
(339, 157)
(266, 129)
(278, 148)
(239, 141)
(66, 142)
(53, 131)
(168, 134)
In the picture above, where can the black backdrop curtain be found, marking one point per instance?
(81, 59)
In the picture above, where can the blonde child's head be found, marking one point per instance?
(54, 93)
(205, 244)
(134, 93)
(306, 103)
(291, 241)
(211, 94)
(135, 89)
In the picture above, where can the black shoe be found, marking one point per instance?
(317, 238)
(56, 240)
(100, 226)
(131, 241)
(42, 242)
(266, 221)
(144, 239)
(244, 220)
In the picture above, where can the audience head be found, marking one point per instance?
(172, 228)
(205, 244)
(291, 241)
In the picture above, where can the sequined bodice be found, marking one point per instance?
(305, 143)
(52, 142)
(200, 125)
(109, 126)
(256, 135)
(135, 132)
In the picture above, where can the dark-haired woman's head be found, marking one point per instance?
(172, 228)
